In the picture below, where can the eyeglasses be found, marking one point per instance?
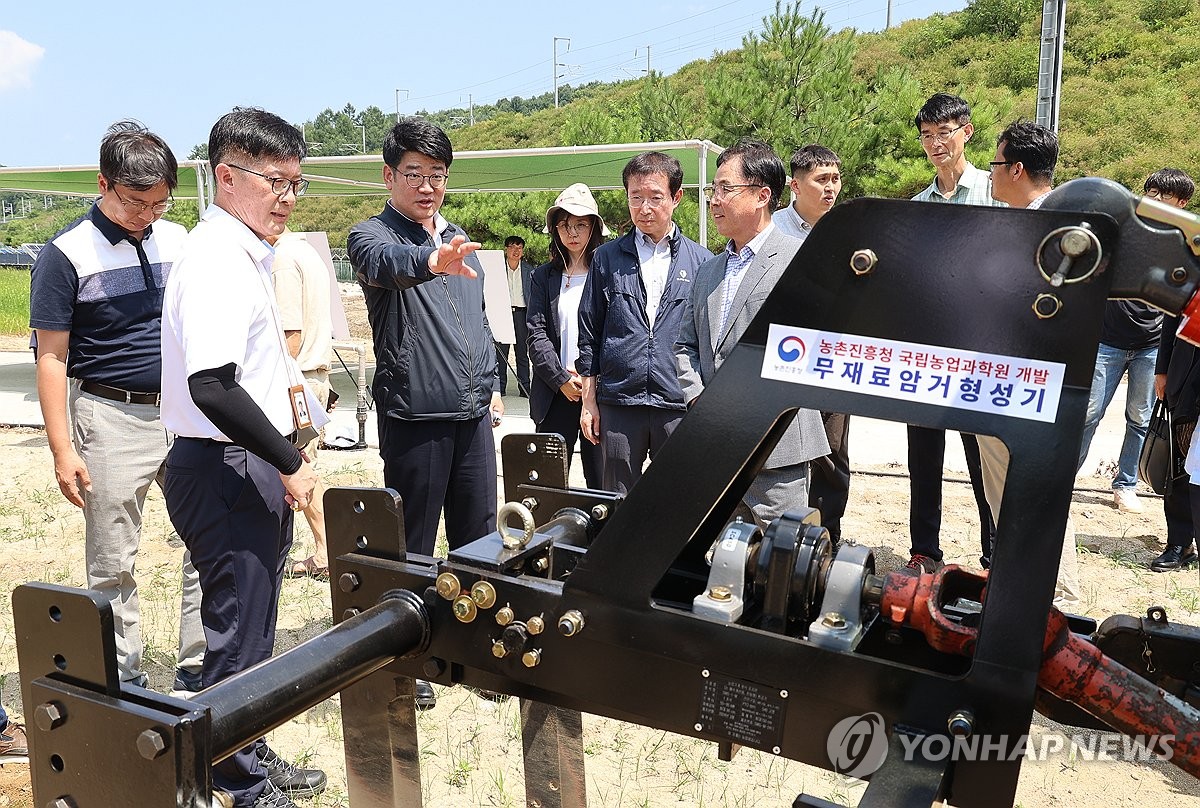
(1161, 196)
(279, 185)
(572, 229)
(995, 163)
(416, 179)
(727, 189)
(940, 136)
(139, 208)
(636, 202)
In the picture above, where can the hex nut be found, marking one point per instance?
(152, 743)
(50, 715)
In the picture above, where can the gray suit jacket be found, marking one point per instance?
(699, 351)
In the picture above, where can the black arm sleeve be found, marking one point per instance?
(230, 408)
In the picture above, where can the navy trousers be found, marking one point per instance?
(441, 465)
(563, 418)
(227, 505)
(926, 459)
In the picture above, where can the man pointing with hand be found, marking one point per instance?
(436, 382)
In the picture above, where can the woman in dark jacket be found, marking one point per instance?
(1177, 382)
(576, 230)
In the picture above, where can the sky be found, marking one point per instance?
(69, 69)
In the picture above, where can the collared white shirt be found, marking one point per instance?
(792, 223)
(655, 260)
(516, 287)
(219, 308)
(735, 267)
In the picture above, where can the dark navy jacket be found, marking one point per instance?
(634, 365)
(433, 348)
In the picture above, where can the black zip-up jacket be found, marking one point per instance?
(434, 356)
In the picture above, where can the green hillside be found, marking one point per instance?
(1129, 74)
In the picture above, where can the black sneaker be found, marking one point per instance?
(288, 777)
(423, 696)
(186, 683)
(272, 797)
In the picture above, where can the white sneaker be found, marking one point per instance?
(1125, 499)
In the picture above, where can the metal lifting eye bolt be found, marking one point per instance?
(519, 540)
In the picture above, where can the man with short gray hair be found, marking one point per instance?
(95, 305)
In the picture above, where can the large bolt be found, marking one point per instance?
(498, 649)
(536, 624)
(600, 512)
(504, 616)
(541, 564)
(961, 724)
(464, 608)
(531, 658)
(530, 502)
(448, 586)
(152, 743)
(1178, 275)
(484, 594)
(348, 582)
(49, 715)
(571, 623)
(833, 620)
(721, 593)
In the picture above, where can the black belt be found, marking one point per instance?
(117, 394)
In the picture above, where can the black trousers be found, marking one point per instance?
(628, 434)
(563, 418)
(926, 460)
(227, 505)
(522, 353)
(829, 476)
(441, 465)
(1181, 506)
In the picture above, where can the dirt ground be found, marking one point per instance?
(471, 749)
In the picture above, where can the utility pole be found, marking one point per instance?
(647, 60)
(364, 131)
(471, 104)
(1054, 18)
(555, 65)
(406, 94)
(888, 24)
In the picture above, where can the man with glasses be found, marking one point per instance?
(1129, 345)
(727, 293)
(95, 305)
(435, 380)
(1022, 174)
(944, 128)
(238, 406)
(629, 317)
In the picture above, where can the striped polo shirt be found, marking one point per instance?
(96, 282)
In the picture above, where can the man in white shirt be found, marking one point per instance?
(234, 474)
(816, 182)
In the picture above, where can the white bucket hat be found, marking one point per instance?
(578, 201)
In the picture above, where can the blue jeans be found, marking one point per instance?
(1111, 364)
(3, 719)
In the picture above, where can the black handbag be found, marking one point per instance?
(1161, 462)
